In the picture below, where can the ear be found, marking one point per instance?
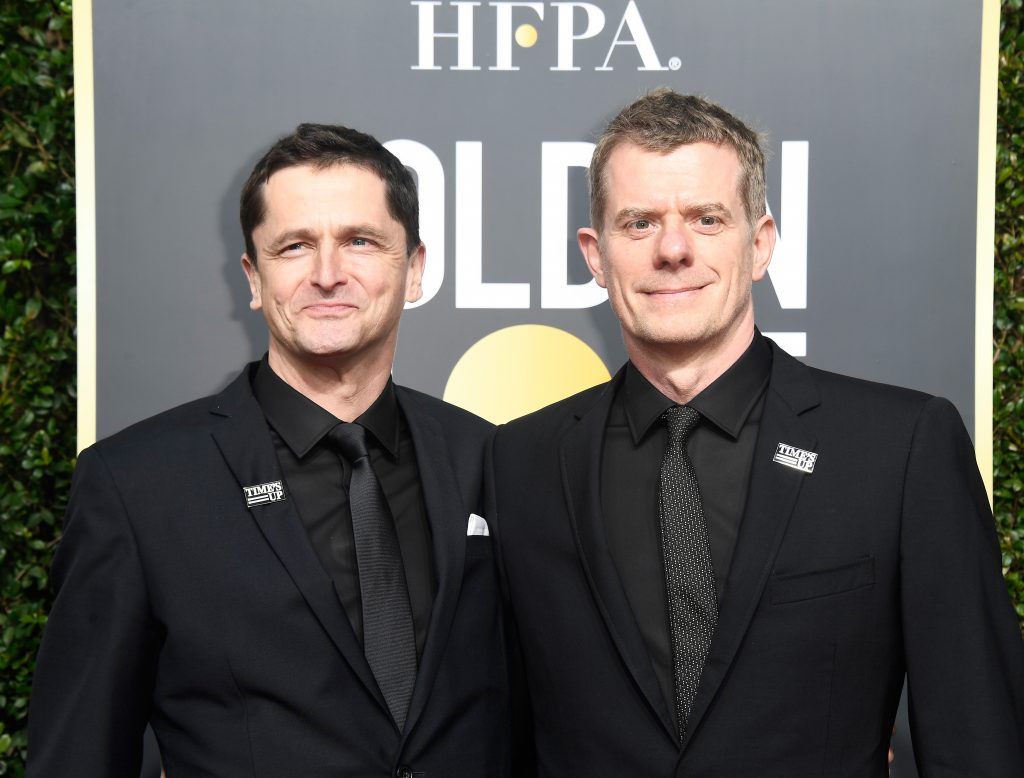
(414, 277)
(763, 246)
(590, 246)
(252, 273)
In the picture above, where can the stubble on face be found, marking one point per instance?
(679, 321)
(334, 273)
(676, 252)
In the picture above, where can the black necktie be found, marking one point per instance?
(389, 638)
(689, 577)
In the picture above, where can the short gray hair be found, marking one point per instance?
(661, 121)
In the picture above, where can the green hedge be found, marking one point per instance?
(37, 309)
(1008, 402)
(37, 356)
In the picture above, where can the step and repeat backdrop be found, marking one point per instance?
(870, 109)
(879, 116)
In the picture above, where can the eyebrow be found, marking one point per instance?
(290, 236)
(633, 213)
(697, 209)
(701, 209)
(305, 234)
(362, 229)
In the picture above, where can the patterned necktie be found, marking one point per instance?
(389, 638)
(689, 577)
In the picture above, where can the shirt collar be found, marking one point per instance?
(726, 402)
(302, 423)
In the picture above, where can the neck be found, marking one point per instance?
(683, 371)
(344, 388)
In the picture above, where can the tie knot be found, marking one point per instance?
(681, 420)
(349, 440)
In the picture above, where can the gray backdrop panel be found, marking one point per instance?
(189, 94)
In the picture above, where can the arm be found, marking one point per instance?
(94, 674)
(963, 650)
(523, 753)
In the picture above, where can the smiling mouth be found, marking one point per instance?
(329, 308)
(683, 290)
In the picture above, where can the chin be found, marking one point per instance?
(669, 333)
(327, 350)
(328, 340)
(675, 339)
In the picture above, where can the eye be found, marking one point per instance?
(709, 224)
(360, 241)
(292, 248)
(639, 224)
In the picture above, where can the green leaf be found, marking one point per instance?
(37, 367)
(20, 136)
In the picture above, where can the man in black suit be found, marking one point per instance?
(722, 562)
(291, 578)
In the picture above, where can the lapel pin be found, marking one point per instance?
(796, 458)
(261, 494)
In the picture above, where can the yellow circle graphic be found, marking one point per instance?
(519, 369)
(526, 35)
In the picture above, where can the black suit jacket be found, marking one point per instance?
(880, 561)
(177, 604)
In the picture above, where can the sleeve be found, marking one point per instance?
(524, 759)
(962, 643)
(93, 680)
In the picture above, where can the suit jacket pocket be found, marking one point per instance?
(478, 545)
(795, 587)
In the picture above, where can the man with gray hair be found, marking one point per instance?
(723, 562)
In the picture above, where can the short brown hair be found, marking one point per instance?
(321, 146)
(661, 121)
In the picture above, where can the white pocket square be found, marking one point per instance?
(477, 525)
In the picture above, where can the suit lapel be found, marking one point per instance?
(448, 517)
(245, 443)
(771, 497)
(581, 477)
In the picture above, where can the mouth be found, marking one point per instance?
(673, 292)
(328, 308)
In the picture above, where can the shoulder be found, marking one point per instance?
(865, 413)
(454, 421)
(444, 432)
(176, 432)
(844, 394)
(870, 393)
(145, 459)
(180, 422)
(549, 422)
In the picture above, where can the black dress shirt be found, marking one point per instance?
(721, 449)
(317, 479)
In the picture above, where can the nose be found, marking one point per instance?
(328, 269)
(673, 246)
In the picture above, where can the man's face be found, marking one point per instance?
(333, 272)
(676, 252)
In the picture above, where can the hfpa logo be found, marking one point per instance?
(573, 22)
